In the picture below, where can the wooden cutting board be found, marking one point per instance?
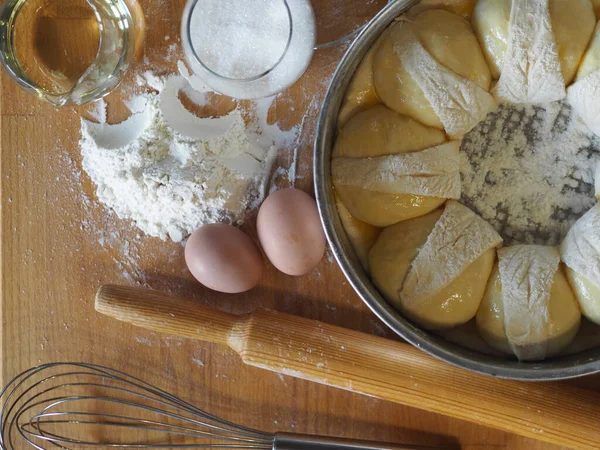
(59, 245)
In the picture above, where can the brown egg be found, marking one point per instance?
(290, 231)
(223, 258)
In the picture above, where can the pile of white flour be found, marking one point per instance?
(170, 171)
(529, 171)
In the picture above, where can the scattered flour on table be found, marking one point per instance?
(529, 171)
(170, 171)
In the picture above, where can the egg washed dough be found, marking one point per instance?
(459, 238)
(361, 235)
(528, 309)
(591, 59)
(378, 132)
(433, 70)
(395, 249)
(580, 251)
(490, 315)
(391, 260)
(361, 93)
(572, 24)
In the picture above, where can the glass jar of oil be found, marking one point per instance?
(69, 51)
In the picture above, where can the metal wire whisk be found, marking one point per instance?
(77, 405)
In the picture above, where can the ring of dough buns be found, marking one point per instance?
(431, 77)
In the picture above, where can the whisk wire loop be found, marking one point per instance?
(43, 407)
(78, 405)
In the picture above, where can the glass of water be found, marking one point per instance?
(69, 51)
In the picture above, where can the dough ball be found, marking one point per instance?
(450, 40)
(490, 22)
(391, 259)
(394, 251)
(490, 316)
(587, 294)
(362, 236)
(397, 89)
(581, 255)
(361, 93)
(458, 302)
(572, 22)
(563, 315)
(461, 7)
(380, 131)
(591, 60)
(587, 338)
(382, 210)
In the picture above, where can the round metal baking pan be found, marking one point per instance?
(564, 367)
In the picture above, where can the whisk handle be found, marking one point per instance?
(289, 441)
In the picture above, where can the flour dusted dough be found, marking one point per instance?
(394, 251)
(530, 72)
(393, 257)
(362, 236)
(572, 24)
(433, 70)
(529, 308)
(396, 263)
(377, 132)
(580, 251)
(584, 97)
(433, 172)
(459, 238)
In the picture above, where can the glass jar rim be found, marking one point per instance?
(236, 79)
(9, 61)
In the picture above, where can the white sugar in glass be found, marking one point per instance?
(248, 49)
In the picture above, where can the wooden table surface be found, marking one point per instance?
(59, 245)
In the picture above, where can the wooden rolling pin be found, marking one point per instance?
(553, 412)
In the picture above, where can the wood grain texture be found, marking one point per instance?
(371, 365)
(59, 245)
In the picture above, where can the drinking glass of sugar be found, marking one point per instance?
(248, 49)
